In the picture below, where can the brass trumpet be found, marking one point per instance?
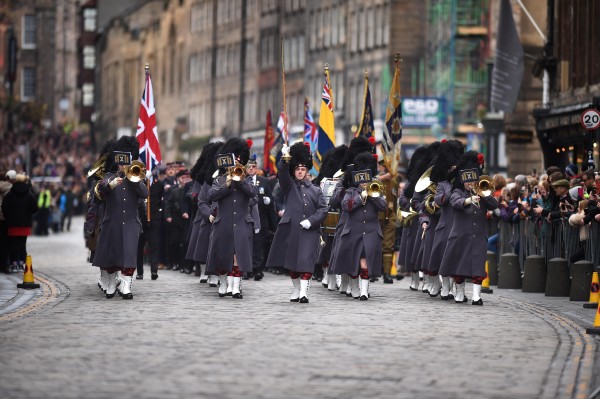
(375, 189)
(136, 171)
(238, 172)
(483, 188)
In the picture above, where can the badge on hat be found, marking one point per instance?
(225, 161)
(121, 158)
(468, 175)
(361, 176)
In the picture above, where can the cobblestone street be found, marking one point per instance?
(176, 338)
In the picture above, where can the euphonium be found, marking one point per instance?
(238, 172)
(136, 171)
(405, 217)
(98, 167)
(430, 205)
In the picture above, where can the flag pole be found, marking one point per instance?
(362, 117)
(285, 157)
(147, 69)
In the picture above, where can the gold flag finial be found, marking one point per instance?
(366, 74)
(147, 67)
(397, 58)
(326, 66)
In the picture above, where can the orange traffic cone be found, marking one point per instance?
(594, 293)
(595, 329)
(28, 276)
(485, 284)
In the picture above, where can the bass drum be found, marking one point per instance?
(330, 223)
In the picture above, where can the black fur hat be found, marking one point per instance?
(301, 155)
(210, 165)
(237, 146)
(357, 145)
(364, 161)
(207, 156)
(125, 144)
(332, 162)
(467, 161)
(411, 171)
(447, 156)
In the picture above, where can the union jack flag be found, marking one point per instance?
(146, 133)
(311, 134)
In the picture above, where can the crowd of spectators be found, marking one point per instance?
(54, 164)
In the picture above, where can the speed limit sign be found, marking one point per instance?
(590, 119)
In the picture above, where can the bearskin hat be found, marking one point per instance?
(447, 156)
(332, 162)
(364, 161)
(357, 145)
(124, 144)
(468, 160)
(412, 173)
(237, 146)
(204, 161)
(209, 167)
(301, 155)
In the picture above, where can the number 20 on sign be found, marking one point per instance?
(590, 119)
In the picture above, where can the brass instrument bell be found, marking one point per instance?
(136, 171)
(238, 172)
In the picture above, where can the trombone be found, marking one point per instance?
(237, 172)
(136, 171)
(374, 189)
(483, 188)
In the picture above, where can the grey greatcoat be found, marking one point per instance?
(201, 228)
(121, 226)
(414, 237)
(233, 226)
(294, 247)
(361, 231)
(335, 202)
(442, 230)
(466, 251)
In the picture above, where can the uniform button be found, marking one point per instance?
(123, 222)
(364, 232)
(365, 221)
(123, 199)
(303, 216)
(474, 224)
(305, 205)
(365, 211)
(304, 195)
(123, 211)
(234, 225)
(234, 213)
(233, 200)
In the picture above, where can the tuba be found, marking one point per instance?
(238, 172)
(136, 171)
(97, 168)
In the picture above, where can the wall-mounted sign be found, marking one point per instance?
(519, 136)
(423, 111)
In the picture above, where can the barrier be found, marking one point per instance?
(492, 267)
(581, 280)
(509, 273)
(558, 281)
(534, 279)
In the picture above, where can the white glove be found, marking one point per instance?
(228, 180)
(285, 150)
(468, 201)
(305, 224)
(266, 200)
(148, 174)
(256, 231)
(363, 195)
(113, 183)
(211, 218)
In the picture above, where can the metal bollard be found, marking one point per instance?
(534, 279)
(581, 280)
(509, 273)
(558, 282)
(492, 268)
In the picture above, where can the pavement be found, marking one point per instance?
(177, 339)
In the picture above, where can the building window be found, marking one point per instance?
(89, 57)
(371, 29)
(88, 94)
(267, 51)
(28, 84)
(29, 35)
(89, 19)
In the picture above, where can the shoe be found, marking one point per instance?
(304, 300)
(364, 298)
(154, 276)
(399, 277)
(387, 279)
(139, 277)
(125, 290)
(479, 302)
(182, 270)
(413, 289)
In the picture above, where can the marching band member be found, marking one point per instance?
(387, 219)
(442, 175)
(409, 233)
(201, 226)
(230, 248)
(466, 250)
(297, 234)
(120, 229)
(357, 146)
(331, 163)
(360, 252)
(416, 259)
